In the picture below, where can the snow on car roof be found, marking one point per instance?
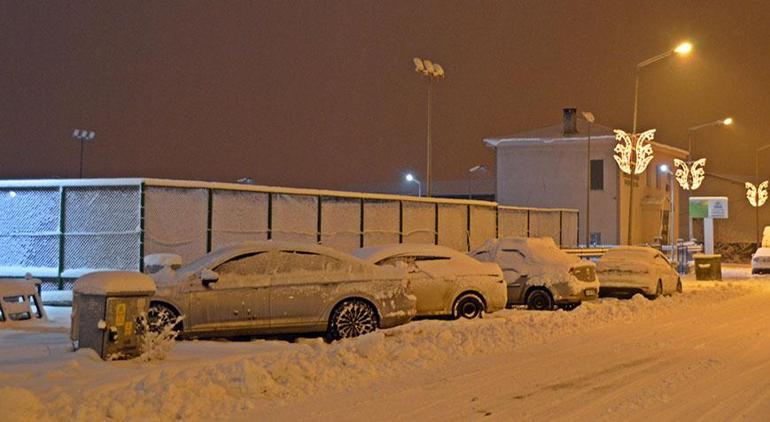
(377, 253)
(762, 252)
(215, 257)
(114, 282)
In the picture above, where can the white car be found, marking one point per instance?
(445, 281)
(760, 261)
(255, 288)
(539, 274)
(628, 270)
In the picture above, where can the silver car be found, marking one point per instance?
(279, 287)
(446, 282)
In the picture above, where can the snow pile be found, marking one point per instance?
(204, 379)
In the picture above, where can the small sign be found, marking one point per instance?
(708, 207)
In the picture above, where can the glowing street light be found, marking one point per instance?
(411, 179)
(471, 171)
(434, 72)
(672, 212)
(83, 136)
(682, 49)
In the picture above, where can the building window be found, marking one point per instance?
(597, 174)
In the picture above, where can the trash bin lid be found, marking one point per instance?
(18, 286)
(115, 283)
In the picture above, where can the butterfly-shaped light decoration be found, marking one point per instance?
(684, 172)
(757, 196)
(633, 144)
(643, 150)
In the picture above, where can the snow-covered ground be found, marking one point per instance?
(703, 354)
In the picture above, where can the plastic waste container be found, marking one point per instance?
(708, 267)
(107, 312)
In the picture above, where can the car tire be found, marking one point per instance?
(468, 306)
(352, 318)
(679, 288)
(160, 315)
(540, 300)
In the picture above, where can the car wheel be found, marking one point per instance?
(679, 288)
(352, 318)
(468, 306)
(159, 316)
(540, 300)
(569, 306)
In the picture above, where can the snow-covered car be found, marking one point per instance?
(760, 261)
(539, 274)
(20, 300)
(267, 287)
(628, 270)
(446, 282)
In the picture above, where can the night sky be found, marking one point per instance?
(324, 93)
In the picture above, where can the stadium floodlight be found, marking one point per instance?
(434, 72)
(83, 136)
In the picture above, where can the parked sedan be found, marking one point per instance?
(628, 270)
(760, 261)
(539, 274)
(445, 282)
(280, 287)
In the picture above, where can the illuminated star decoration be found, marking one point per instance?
(684, 172)
(756, 195)
(633, 144)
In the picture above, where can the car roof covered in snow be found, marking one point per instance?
(633, 250)
(378, 253)
(762, 252)
(216, 257)
(114, 283)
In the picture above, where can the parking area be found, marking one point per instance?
(610, 358)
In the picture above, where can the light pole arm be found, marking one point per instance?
(654, 59)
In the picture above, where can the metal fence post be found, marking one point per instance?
(62, 228)
(435, 223)
(141, 227)
(318, 222)
(269, 215)
(400, 221)
(209, 218)
(361, 225)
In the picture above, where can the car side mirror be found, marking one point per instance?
(208, 276)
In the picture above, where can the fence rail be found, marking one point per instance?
(64, 228)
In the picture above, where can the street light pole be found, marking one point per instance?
(723, 122)
(590, 119)
(471, 171)
(681, 49)
(83, 136)
(433, 71)
(757, 193)
(410, 178)
(672, 217)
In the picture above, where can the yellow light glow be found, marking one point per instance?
(636, 144)
(690, 177)
(728, 121)
(757, 196)
(683, 48)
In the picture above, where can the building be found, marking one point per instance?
(548, 167)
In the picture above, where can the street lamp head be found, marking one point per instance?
(418, 65)
(409, 177)
(683, 48)
(480, 167)
(728, 121)
(664, 168)
(589, 116)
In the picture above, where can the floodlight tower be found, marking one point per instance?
(83, 136)
(434, 72)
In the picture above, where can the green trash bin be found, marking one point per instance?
(708, 267)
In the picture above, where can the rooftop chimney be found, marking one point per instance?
(570, 121)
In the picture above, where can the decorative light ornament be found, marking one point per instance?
(684, 172)
(633, 144)
(757, 196)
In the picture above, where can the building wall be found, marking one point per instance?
(555, 175)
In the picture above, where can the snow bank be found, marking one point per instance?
(204, 379)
